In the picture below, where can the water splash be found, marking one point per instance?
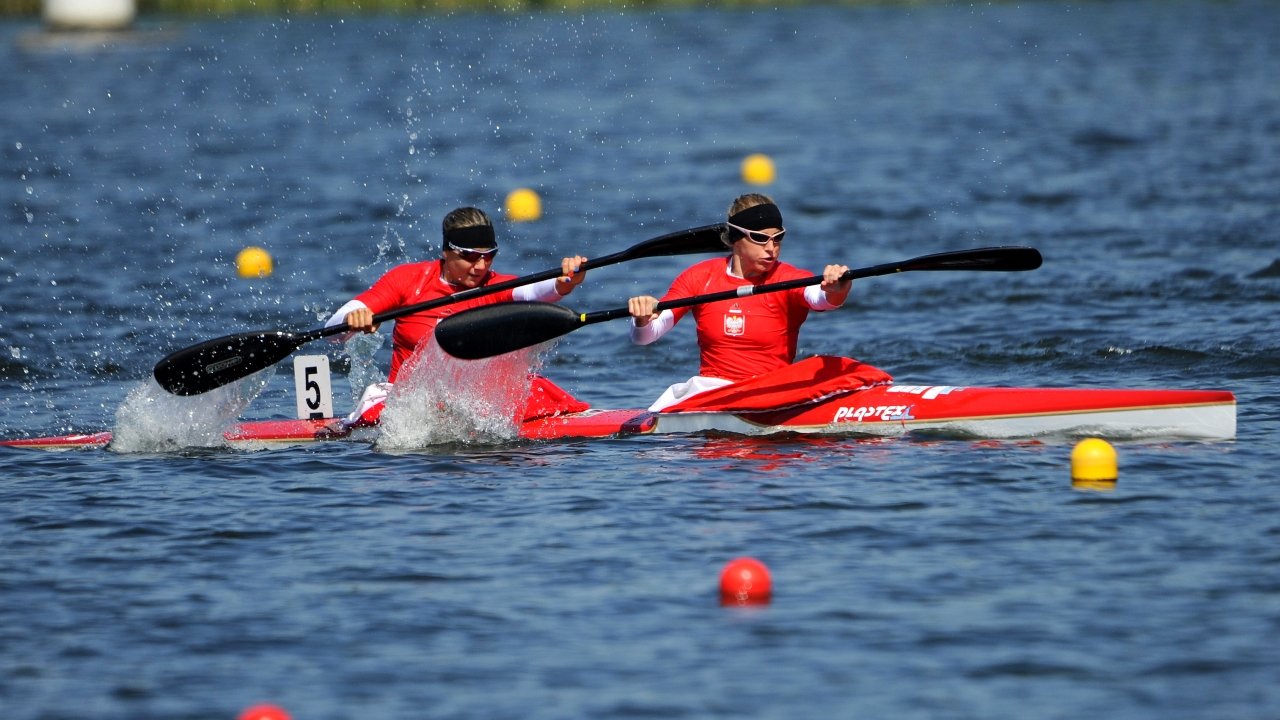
(361, 350)
(439, 399)
(151, 420)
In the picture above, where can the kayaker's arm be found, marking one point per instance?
(833, 291)
(643, 309)
(544, 291)
(353, 311)
(552, 289)
(646, 325)
(574, 274)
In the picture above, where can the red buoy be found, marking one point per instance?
(745, 581)
(264, 712)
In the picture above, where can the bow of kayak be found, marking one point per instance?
(62, 442)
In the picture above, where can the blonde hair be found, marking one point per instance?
(750, 200)
(740, 203)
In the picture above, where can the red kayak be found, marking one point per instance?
(976, 412)
(831, 395)
(837, 396)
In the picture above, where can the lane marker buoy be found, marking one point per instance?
(745, 581)
(757, 169)
(523, 205)
(1093, 464)
(253, 262)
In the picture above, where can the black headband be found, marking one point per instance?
(472, 237)
(758, 217)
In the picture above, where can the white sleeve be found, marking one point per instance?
(340, 317)
(817, 299)
(654, 330)
(544, 291)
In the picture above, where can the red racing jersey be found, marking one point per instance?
(416, 283)
(742, 337)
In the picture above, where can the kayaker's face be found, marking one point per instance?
(753, 258)
(467, 268)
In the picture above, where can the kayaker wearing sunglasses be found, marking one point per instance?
(466, 261)
(744, 337)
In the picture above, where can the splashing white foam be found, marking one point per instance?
(439, 399)
(361, 349)
(152, 420)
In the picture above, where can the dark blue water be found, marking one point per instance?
(1136, 144)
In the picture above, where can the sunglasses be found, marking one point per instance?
(759, 237)
(473, 255)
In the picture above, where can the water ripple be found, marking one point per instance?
(1131, 142)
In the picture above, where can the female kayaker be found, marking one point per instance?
(466, 261)
(744, 337)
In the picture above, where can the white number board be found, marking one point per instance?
(312, 387)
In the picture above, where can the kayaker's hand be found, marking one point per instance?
(642, 309)
(572, 277)
(361, 319)
(836, 289)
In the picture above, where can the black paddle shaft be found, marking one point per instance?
(704, 239)
(214, 363)
(496, 329)
(1003, 259)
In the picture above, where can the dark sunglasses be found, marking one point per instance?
(473, 255)
(759, 237)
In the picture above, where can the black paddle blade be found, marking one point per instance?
(496, 329)
(705, 239)
(999, 259)
(212, 364)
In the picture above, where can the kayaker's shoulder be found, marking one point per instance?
(413, 270)
(716, 264)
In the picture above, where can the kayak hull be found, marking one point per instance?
(991, 412)
(882, 410)
(61, 442)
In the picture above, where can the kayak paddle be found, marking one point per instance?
(214, 363)
(496, 329)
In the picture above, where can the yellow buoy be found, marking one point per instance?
(757, 169)
(523, 205)
(253, 262)
(1093, 460)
